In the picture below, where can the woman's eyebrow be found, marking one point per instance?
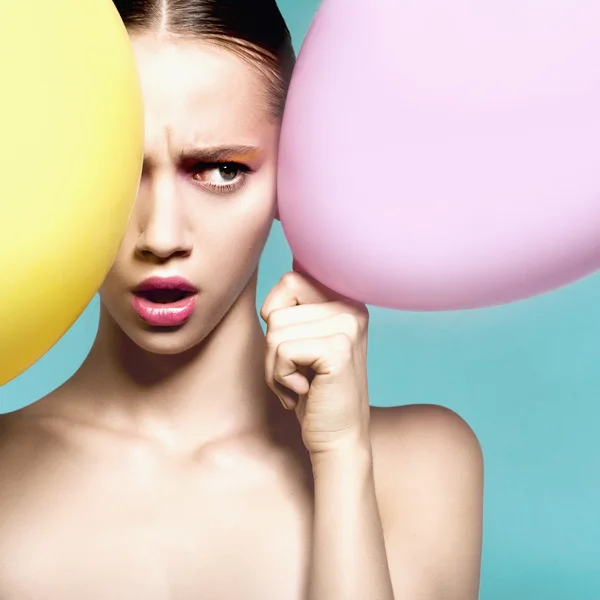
(215, 154)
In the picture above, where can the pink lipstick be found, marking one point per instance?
(165, 301)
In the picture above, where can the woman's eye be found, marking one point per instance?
(222, 174)
(228, 172)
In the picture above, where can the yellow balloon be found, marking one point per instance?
(71, 149)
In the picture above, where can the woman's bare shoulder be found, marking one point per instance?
(33, 438)
(26, 435)
(420, 442)
(428, 469)
(421, 428)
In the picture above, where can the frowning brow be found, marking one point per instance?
(216, 154)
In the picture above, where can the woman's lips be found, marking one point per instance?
(165, 301)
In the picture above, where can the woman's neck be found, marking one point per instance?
(214, 391)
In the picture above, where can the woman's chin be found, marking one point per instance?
(164, 340)
(166, 344)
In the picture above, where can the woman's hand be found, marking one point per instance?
(316, 362)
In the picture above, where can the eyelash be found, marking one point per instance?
(227, 188)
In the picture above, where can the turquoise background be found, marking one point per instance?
(524, 376)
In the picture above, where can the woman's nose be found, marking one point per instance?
(164, 227)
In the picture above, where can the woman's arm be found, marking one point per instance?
(398, 498)
(349, 560)
(420, 490)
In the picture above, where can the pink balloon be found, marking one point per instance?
(444, 155)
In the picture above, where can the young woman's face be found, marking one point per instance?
(207, 196)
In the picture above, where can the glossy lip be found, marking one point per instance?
(169, 314)
(166, 283)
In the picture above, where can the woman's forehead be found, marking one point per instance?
(198, 94)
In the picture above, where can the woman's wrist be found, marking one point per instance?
(347, 460)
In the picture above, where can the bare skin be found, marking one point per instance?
(167, 468)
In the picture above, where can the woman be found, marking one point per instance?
(166, 468)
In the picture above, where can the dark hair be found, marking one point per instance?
(254, 29)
